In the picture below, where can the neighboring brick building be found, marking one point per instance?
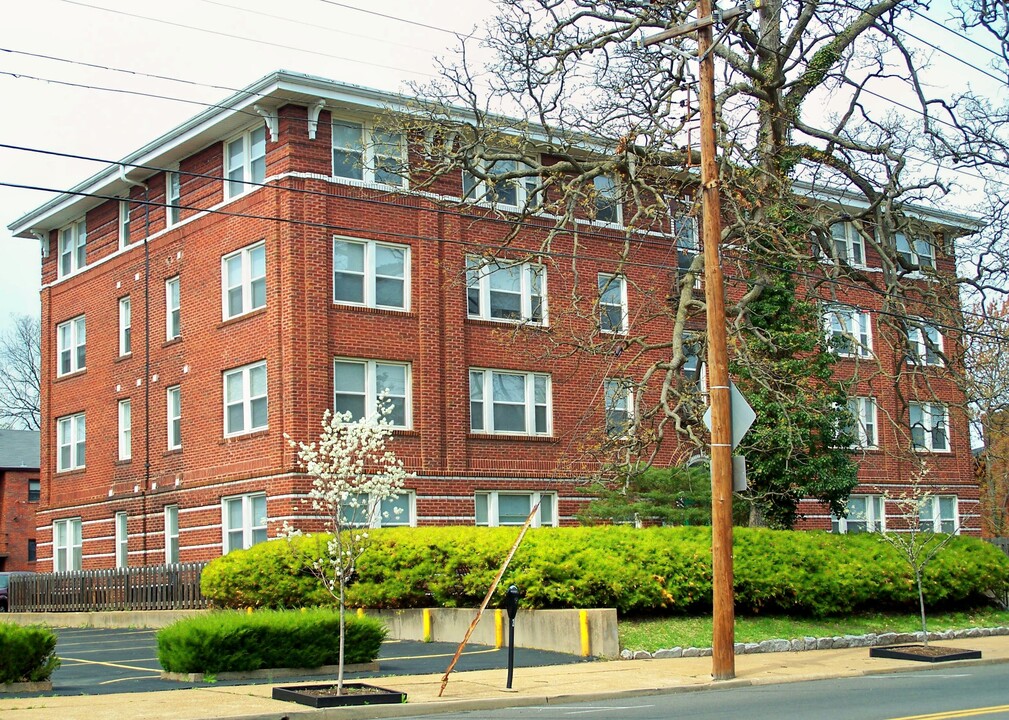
(256, 272)
(19, 498)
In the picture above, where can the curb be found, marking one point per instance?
(269, 673)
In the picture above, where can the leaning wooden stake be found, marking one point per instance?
(486, 600)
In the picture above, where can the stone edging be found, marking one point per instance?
(23, 687)
(270, 673)
(812, 643)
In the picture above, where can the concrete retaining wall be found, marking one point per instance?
(110, 619)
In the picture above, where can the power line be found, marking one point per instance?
(402, 20)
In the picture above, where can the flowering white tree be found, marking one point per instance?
(352, 472)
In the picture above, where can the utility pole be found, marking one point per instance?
(723, 658)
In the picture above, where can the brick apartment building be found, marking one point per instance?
(235, 277)
(20, 489)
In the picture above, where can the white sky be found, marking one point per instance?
(228, 43)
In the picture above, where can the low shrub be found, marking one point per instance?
(634, 570)
(27, 653)
(236, 641)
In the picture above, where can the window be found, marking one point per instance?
(243, 278)
(513, 193)
(72, 248)
(685, 232)
(495, 508)
(34, 490)
(928, 426)
(848, 331)
(245, 407)
(122, 540)
(359, 384)
(71, 346)
(125, 327)
(500, 290)
(245, 161)
(70, 436)
(866, 513)
(924, 343)
(362, 510)
(173, 309)
(612, 303)
(939, 514)
(67, 542)
(509, 402)
(619, 406)
(370, 274)
(244, 521)
(848, 243)
(606, 199)
(916, 253)
(124, 223)
(33, 553)
(173, 197)
(693, 366)
(171, 534)
(363, 153)
(174, 404)
(863, 426)
(125, 430)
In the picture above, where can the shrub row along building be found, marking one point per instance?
(222, 286)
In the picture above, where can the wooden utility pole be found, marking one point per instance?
(723, 658)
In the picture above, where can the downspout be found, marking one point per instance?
(147, 356)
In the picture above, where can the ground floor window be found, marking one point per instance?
(866, 513)
(244, 521)
(495, 508)
(67, 544)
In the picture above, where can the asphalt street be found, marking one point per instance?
(97, 660)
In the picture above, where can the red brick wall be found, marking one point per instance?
(17, 519)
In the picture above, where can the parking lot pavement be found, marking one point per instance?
(101, 660)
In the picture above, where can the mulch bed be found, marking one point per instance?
(924, 653)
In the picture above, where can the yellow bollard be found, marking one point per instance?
(360, 612)
(426, 615)
(248, 611)
(498, 629)
(583, 625)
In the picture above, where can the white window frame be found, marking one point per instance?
(67, 551)
(492, 498)
(864, 422)
(481, 381)
(173, 197)
(125, 326)
(874, 520)
(173, 411)
(371, 150)
(238, 177)
(171, 514)
(610, 284)
(929, 411)
(247, 283)
(367, 511)
(480, 290)
(930, 514)
(124, 223)
(75, 428)
(371, 391)
(606, 197)
(851, 324)
(71, 340)
(526, 190)
(173, 308)
(369, 274)
(246, 400)
(125, 430)
(848, 243)
(122, 539)
(72, 245)
(919, 352)
(249, 529)
(618, 399)
(917, 251)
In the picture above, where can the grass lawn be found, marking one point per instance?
(653, 634)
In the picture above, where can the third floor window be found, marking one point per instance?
(849, 331)
(245, 161)
(370, 273)
(848, 243)
(71, 346)
(612, 303)
(361, 152)
(915, 252)
(72, 251)
(501, 290)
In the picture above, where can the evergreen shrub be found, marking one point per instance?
(27, 653)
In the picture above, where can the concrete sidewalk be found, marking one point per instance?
(484, 689)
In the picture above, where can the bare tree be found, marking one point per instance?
(572, 120)
(20, 363)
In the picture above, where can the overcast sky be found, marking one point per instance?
(55, 103)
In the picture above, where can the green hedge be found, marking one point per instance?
(236, 641)
(634, 570)
(27, 653)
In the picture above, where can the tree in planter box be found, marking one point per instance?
(353, 473)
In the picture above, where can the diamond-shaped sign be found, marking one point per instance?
(742, 415)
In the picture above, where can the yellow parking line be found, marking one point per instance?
(109, 664)
(972, 712)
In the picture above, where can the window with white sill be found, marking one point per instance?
(924, 343)
(916, 253)
(506, 291)
(863, 421)
(245, 161)
(364, 510)
(939, 514)
(866, 513)
(173, 402)
(70, 442)
(67, 545)
(371, 274)
(125, 326)
(612, 303)
(125, 433)
(618, 403)
(171, 534)
(929, 426)
(606, 200)
(508, 193)
(173, 308)
(173, 197)
(509, 403)
(849, 331)
(848, 243)
(244, 521)
(71, 346)
(496, 508)
(245, 400)
(243, 280)
(359, 386)
(72, 248)
(364, 152)
(122, 539)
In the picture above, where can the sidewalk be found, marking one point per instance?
(484, 689)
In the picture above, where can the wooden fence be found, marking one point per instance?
(1001, 543)
(160, 587)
